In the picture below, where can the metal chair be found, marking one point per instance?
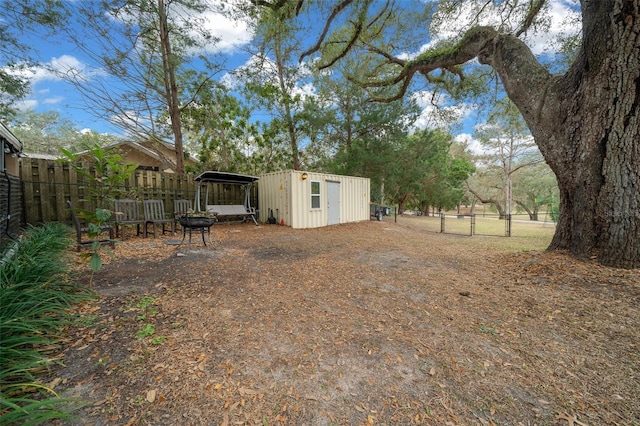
(84, 230)
(154, 215)
(127, 212)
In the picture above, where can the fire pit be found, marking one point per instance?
(196, 221)
(202, 223)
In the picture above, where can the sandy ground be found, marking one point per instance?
(365, 323)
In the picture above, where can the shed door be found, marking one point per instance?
(333, 203)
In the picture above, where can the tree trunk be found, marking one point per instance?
(171, 86)
(401, 202)
(533, 214)
(286, 101)
(587, 127)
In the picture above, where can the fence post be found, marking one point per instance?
(473, 225)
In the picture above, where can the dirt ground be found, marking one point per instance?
(366, 323)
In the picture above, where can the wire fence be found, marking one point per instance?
(472, 224)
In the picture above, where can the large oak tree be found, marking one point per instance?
(584, 120)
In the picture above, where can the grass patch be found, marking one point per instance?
(36, 293)
(525, 235)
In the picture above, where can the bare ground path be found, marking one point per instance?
(367, 323)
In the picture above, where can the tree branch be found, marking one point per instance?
(470, 46)
(535, 8)
(342, 54)
(271, 5)
(485, 200)
(334, 13)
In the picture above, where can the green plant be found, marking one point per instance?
(36, 293)
(145, 302)
(105, 181)
(486, 329)
(158, 340)
(96, 220)
(147, 330)
(145, 306)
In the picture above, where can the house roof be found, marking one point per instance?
(149, 152)
(10, 138)
(224, 177)
(147, 149)
(41, 156)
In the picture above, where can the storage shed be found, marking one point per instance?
(311, 200)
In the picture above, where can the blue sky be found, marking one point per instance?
(48, 92)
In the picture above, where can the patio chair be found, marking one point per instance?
(154, 215)
(180, 208)
(84, 230)
(127, 212)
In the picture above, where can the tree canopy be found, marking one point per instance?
(16, 56)
(584, 118)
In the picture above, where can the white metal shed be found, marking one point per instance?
(311, 200)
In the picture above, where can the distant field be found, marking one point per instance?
(526, 235)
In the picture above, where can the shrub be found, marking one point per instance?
(36, 293)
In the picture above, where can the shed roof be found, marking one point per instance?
(224, 177)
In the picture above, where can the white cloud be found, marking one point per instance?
(55, 68)
(257, 66)
(231, 34)
(563, 18)
(131, 122)
(305, 90)
(472, 144)
(70, 65)
(228, 33)
(263, 69)
(438, 111)
(52, 101)
(26, 104)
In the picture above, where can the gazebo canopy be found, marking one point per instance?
(224, 177)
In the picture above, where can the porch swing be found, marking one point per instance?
(243, 212)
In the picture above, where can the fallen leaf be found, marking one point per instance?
(151, 395)
(55, 382)
(245, 391)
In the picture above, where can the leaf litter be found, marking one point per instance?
(365, 323)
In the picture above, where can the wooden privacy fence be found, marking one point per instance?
(48, 184)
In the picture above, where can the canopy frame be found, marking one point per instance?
(209, 177)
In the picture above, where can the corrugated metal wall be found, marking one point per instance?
(289, 197)
(274, 194)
